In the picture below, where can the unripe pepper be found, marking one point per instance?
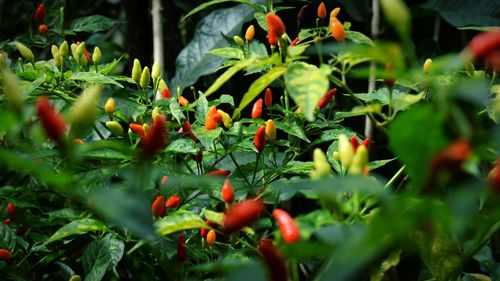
(115, 128)
(2, 60)
(5, 255)
(227, 191)
(10, 208)
(260, 139)
(250, 33)
(321, 165)
(183, 101)
(359, 161)
(345, 151)
(109, 107)
(136, 71)
(80, 48)
(336, 27)
(63, 48)
(84, 109)
(242, 214)
(58, 61)
(145, 78)
(270, 130)
(257, 109)
(275, 262)
(83, 60)
(268, 97)
(73, 52)
(43, 29)
(96, 56)
(427, 66)
(40, 14)
(322, 10)
(226, 119)
(158, 207)
(204, 231)
(156, 137)
(54, 50)
(25, 52)
(239, 41)
(12, 88)
(182, 254)
(211, 236)
(288, 227)
(173, 201)
(219, 173)
(155, 71)
(326, 98)
(75, 278)
(52, 122)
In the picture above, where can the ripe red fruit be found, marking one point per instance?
(354, 143)
(166, 93)
(156, 137)
(288, 227)
(11, 209)
(268, 97)
(294, 42)
(227, 191)
(257, 109)
(186, 128)
(242, 214)
(173, 202)
(484, 43)
(158, 207)
(452, 157)
(7, 221)
(211, 236)
(43, 29)
(5, 255)
(275, 262)
(217, 117)
(326, 98)
(275, 24)
(182, 253)
(204, 231)
(260, 139)
(52, 122)
(219, 173)
(494, 178)
(40, 14)
(366, 142)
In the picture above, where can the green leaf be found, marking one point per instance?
(106, 149)
(101, 255)
(214, 2)
(462, 13)
(379, 163)
(306, 85)
(77, 227)
(28, 88)
(359, 38)
(415, 149)
(92, 24)
(182, 146)
(297, 167)
(291, 126)
(176, 111)
(177, 221)
(400, 100)
(260, 84)
(358, 111)
(228, 52)
(7, 237)
(261, 20)
(207, 138)
(214, 217)
(201, 110)
(194, 60)
(95, 78)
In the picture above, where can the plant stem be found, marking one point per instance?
(394, 178)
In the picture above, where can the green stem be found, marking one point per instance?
(239, 168)
(255, 169)
(395, 177)
(98, 132)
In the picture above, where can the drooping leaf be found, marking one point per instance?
(92, 24)
(95, 78)
(177, 221)
(77, 227)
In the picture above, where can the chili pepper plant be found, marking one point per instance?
(125, 175)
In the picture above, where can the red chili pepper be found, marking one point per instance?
(275, 28)
(182, 254)
(40, 14)
(11, 209)
(43, 29)
(366, 142)
(494, 177)
(493, 61)
(156, 137)
(268, 97)
(211, 236)
(322, 10)
(294, 42)
(138, 129)
(198, 157)
(259, 140)
(217, 117)
(204, 231)
(87, 56)
(186, 128)
(210, 120)
(452, 157)
(484, 43)
(227, 191)
(288, 227)
(326, 98)
(173, 202)
(257, 109)
(354, 143)
(164, 180)
(219, 173)
(7, 221)
(5, 255)
(166, 93)
(275, 262)
(52, 122)
(242, 214)
(158, 207)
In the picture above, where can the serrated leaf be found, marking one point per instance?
(177, 221)
(306, 85)
(77, 227)
(182, 146)
(260, 84)
(95, 78)
(92, 24)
